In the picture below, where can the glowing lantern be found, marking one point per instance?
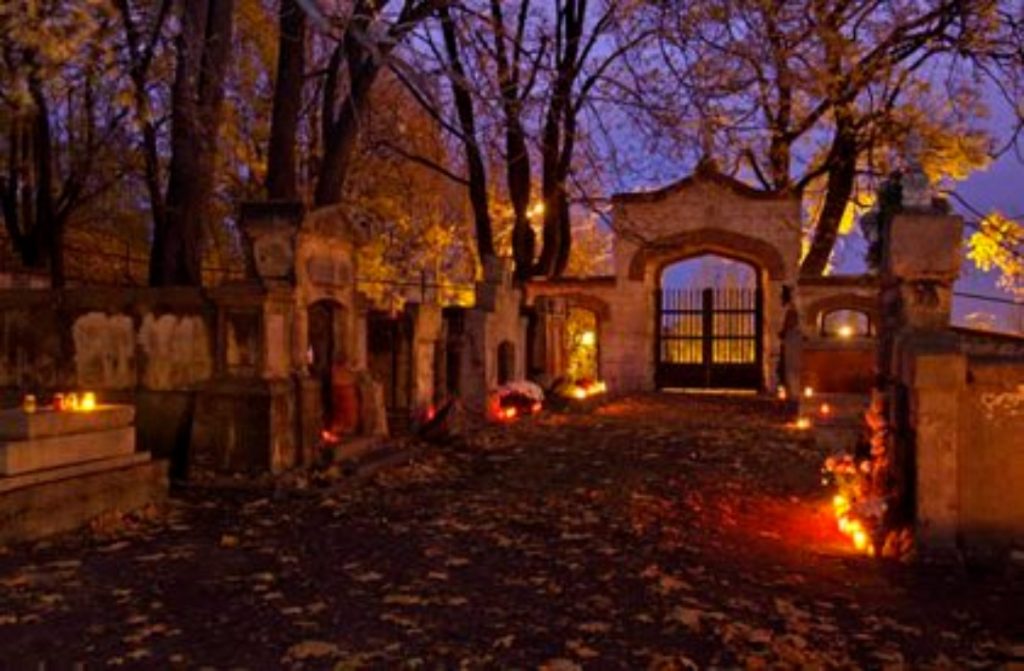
(88, 402)
(28, 404)
(803, 423)
(780, 393)
(860, 539)
(579, 392)
(808, 392)
(845, 331)
(535, 408)
(71, 402)
(509, 413)
(825, 410)
(588, 338)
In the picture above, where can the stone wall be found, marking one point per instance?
(151, 347)
(991, 454)
(966, 415)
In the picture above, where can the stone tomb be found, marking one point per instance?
(58, 470)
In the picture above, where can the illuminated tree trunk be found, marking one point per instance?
(203, 54)
(477, 175)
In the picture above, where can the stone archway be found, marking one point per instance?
(705, 213)
(814, 312)
(672, 249)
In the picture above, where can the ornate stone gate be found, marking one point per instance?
(705, 213)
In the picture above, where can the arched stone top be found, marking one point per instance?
(575, 299)
(845, 301)
(598, 306)
(707, 175)
(708, 241)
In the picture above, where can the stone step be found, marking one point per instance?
(10, 483)
(16, 424)
(38, 454)
(56, 506)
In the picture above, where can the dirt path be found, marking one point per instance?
(661, 531)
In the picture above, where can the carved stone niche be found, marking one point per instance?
(270, 230)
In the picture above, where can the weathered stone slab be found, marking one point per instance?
(12, 482)
(63, 505)
(16, 424)
(24, 456)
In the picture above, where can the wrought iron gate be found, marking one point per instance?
(709, 338)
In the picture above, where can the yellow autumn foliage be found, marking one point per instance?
(998, 244)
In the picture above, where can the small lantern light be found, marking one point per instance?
(588, 339)
(780, 393)
(845, 331)
(825, 410)
(88, 403)
(28, 404)
(808, 392)
(71, 402)
(803, 423)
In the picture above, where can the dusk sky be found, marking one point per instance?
(998, 187)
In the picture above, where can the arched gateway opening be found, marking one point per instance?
(710, 324)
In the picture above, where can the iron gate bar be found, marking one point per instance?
(727, 324)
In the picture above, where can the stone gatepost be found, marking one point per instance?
(495, 322)
(427, 330)
(922, 368)
(247, 417)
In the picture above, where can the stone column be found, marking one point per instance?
(426, 332)
(922, 368)
(247, 416)
(936, 380)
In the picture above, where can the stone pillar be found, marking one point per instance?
(426, 332)
(936, 380)
(249, 417)
(921, 366)
(496, 318)
(270, 230)
(246, 416)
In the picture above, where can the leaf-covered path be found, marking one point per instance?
(662, 532)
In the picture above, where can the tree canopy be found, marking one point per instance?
(480, 126)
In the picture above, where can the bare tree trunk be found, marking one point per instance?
(517, 155)
(477, 175)
(203, 52)
(281, 176)
(557, 146)
(839, 189)
(340, 136)
(340, 127)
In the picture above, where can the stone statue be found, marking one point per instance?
(917, 191)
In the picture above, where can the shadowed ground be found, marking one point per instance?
(662, 531)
